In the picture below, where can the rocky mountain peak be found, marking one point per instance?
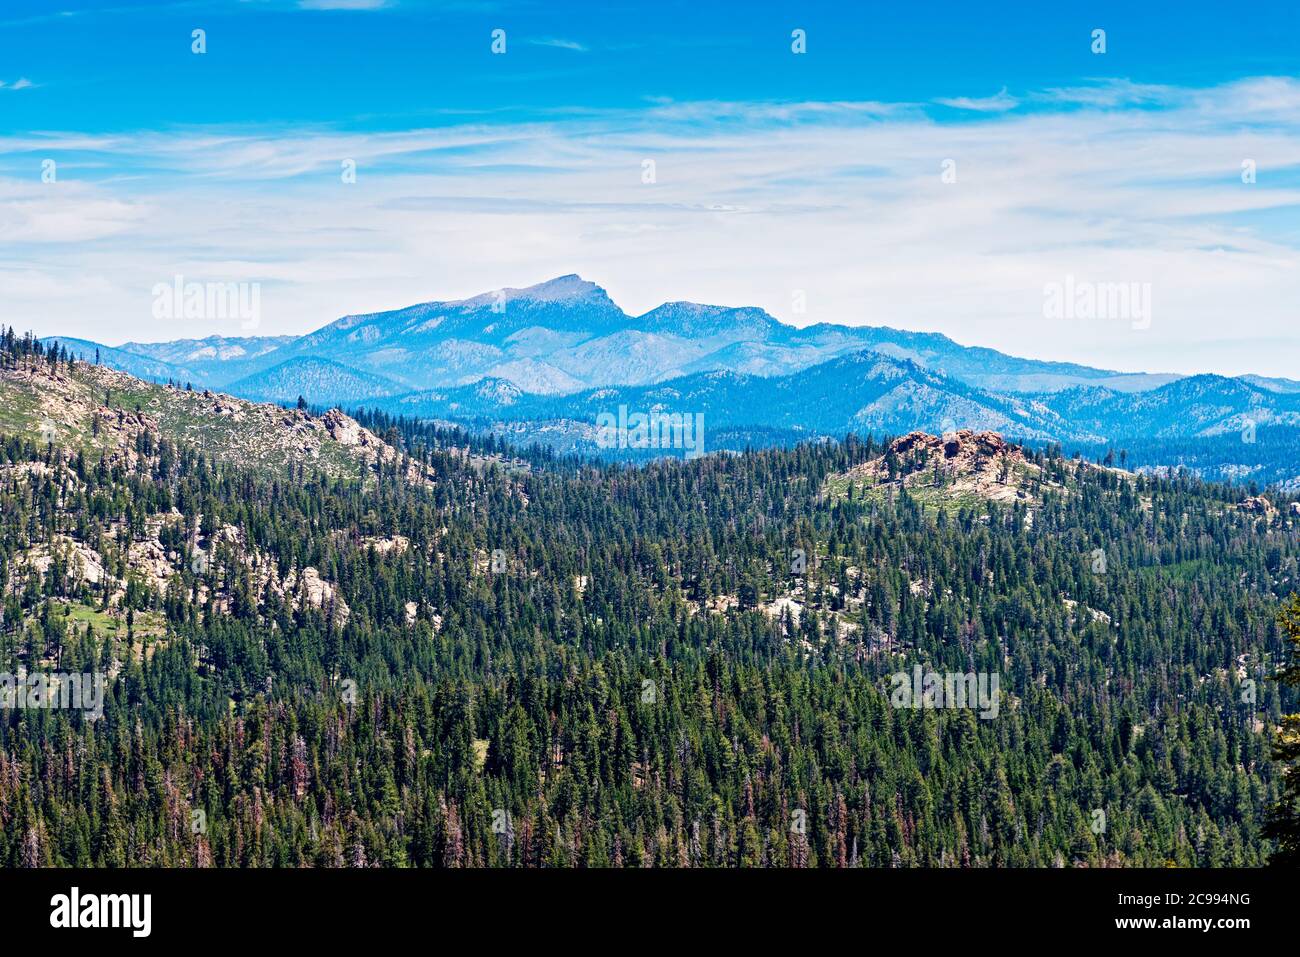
(957, 467)
(962, 451)
(569, 290)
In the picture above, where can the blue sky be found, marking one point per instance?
(776, 173)
(123, 65)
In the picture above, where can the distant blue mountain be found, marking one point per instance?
(321, 382)
(134, 363)
(561, 352)
(567, 335)
(871, 392)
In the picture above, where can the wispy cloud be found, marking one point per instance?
(1112, 93)
(1000, 102)
(732, 202)
(557, 42)
(20, 84)
(344, 4)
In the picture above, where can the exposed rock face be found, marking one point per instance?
(104, 412)
(345, 430)
(953, 466)
(155, 566)
(82, 563)
(963, 452)
(152, 561)
(387, 545)
(1258, 505)
(317, 592)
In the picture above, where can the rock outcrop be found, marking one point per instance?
(958, 467)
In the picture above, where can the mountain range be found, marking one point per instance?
(542, 362)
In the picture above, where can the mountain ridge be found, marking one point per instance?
(548, 358)
(454, 341)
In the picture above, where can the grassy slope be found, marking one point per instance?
(922, 488)
(61, 407)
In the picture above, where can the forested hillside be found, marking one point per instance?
(450, 659)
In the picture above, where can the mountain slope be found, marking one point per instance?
(109, 414)
(863, 392)
(1219, 428)
(441, 343)
(573, 336)
(122, 359)
(319, 381)
(182, 352)
(961, 468)
(548, 358)
(1202, 405)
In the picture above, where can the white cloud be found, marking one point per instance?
(750, 202)
(1000, 102)
(343, 4)
(1112, 93)
(559, 43)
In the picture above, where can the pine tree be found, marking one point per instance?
(1284, 822)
